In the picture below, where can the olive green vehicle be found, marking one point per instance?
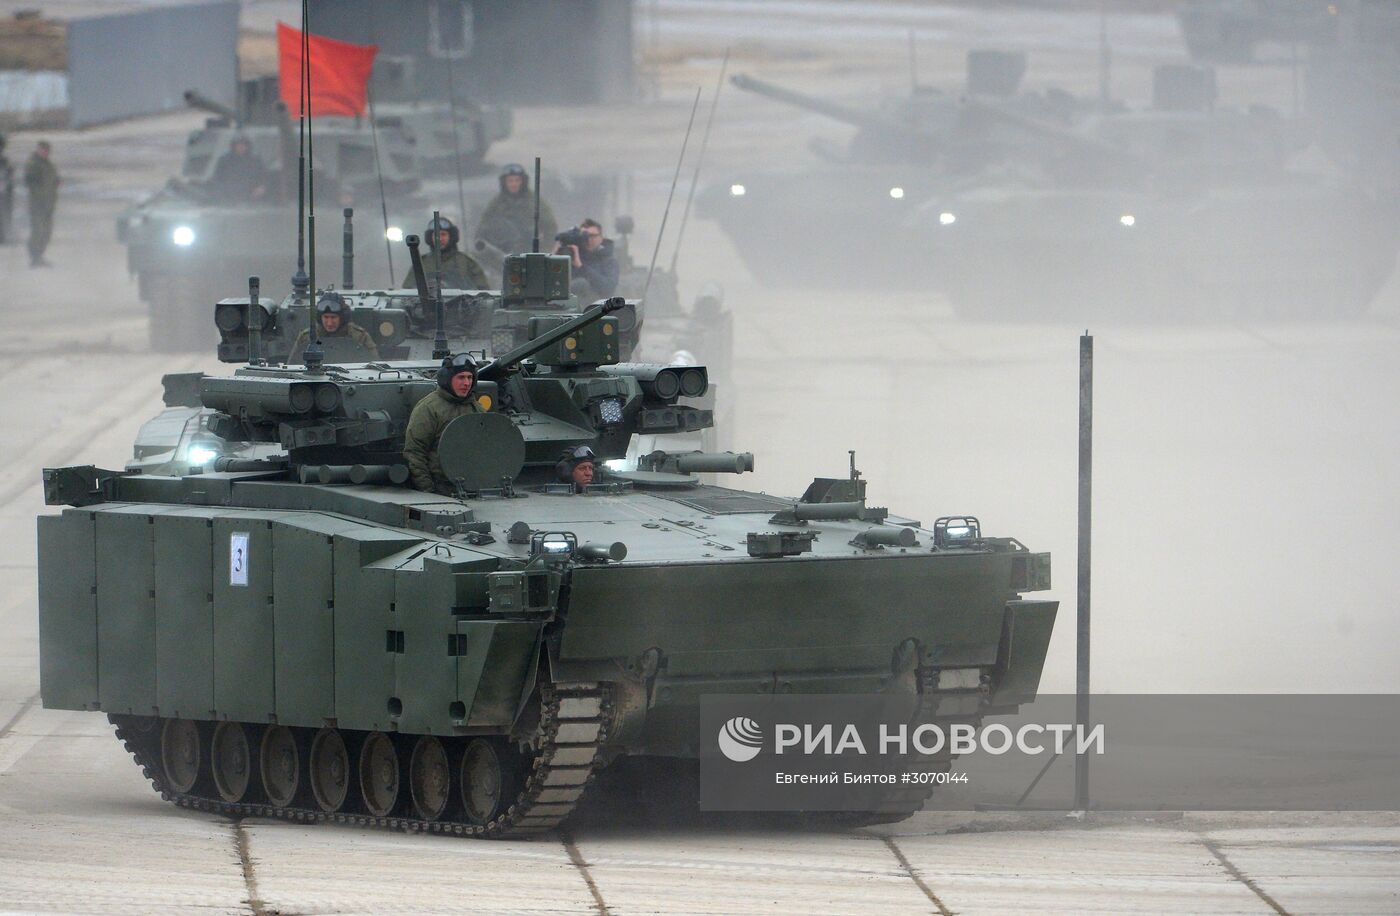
(192, 240)
(302, 636)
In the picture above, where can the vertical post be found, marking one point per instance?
(347, 251)
(1086, 473)
(535, 246)
(255, 321)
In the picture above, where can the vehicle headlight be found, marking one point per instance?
(609, 412)
(394, 234)
(1128, 219)
(737, 190)
(897, 193)
(947, 219)
(182, 236)
(200, 455)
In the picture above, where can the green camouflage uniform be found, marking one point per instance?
(420, 438)
(508, 222)
(459, 271)
(41, 178)
(350, 344)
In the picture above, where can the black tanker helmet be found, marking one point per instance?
(442, 224)
(573, 457)
(515, 168)
(454, 365)
(331, 303)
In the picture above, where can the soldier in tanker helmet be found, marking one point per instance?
(459, 269)
(508, 222)
(451, 399)
(576, 467)
(342, 339)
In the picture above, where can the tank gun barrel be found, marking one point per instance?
(499, 367)
(843, 113)
(196, 99)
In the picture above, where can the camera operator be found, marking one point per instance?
(592, 255)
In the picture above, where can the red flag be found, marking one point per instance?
(339, 73)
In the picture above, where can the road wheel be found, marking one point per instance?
(180, 753)
(330, 770)
(230, 761)
(485, 781)
(281, 765)
(429, 778)
(379, 774)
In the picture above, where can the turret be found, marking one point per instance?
(564, 387)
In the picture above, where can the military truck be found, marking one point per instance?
(303, 637)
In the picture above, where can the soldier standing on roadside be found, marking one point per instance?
(7, 194)
(41, 180)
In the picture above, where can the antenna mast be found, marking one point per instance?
(456, 143)
(313, 354)
(660, 233)
(535, 246)
(379, 172)
(700, 160)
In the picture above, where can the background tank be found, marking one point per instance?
(1181, 211)
(260, 632)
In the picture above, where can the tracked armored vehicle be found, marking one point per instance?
(194, 239)
(810, 225)
(1181, 211)
(301, 636)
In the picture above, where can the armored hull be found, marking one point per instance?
(357, 621)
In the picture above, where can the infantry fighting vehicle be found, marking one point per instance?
(402, 323)
(191, 241)
(303, 637)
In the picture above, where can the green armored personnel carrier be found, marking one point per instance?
(302, 636)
